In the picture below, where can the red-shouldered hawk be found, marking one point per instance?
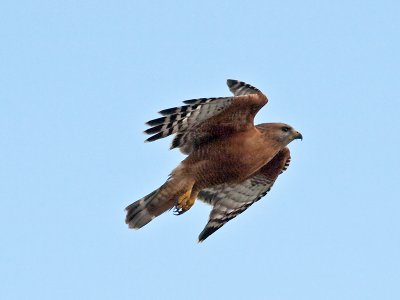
(231, 163)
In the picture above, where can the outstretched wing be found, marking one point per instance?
(230, 200)
(204, 119)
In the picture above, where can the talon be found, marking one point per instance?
(177, 211)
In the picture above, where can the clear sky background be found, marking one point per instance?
(78, 79)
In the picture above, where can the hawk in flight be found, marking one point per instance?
(231, 162)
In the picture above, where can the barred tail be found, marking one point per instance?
(142, 211)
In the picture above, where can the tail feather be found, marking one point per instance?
(142, 211)
(137, 214)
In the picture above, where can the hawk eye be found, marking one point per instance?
(285, 129)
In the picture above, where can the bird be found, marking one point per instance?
(230, 164)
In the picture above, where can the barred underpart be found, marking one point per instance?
(230, 200)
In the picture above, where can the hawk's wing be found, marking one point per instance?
(204, 119)
(230, 200)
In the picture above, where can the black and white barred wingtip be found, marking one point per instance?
(173, 110)
(216, 223)
(155, 137)
(239, 88)
(232, 82)
(170, 123)
(157, 121)
(202, 101)
(207, 232)
(178, 119)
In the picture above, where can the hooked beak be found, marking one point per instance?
(298, 136)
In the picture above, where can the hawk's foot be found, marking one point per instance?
(185, 202)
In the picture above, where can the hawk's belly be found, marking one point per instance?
(227, 162)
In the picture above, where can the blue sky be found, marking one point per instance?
(78, 79)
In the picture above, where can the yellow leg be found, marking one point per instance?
(185, 202)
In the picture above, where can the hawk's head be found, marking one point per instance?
(279, 132)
